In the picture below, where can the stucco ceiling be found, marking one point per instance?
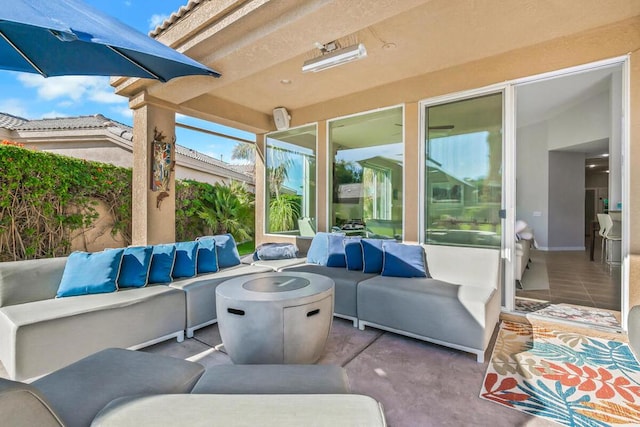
(256, 44)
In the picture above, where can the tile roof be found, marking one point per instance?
(9, 121)
(98, 121)
(174, 17)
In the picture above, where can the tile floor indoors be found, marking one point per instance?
(574, 279)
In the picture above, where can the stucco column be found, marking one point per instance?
(412, 163)
(154, 212)
(260, 185)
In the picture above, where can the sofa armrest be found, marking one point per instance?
(633, 323)
(482, 266)
(31, 280)
(23, 405)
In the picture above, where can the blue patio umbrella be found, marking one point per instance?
(69, 37)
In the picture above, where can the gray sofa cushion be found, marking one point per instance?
(427, 307)
(22, 405)
(201, 291)
(273, 379)
(346, 282)
(42, 336)
(79, 391)
(275, 410)
(32, 280)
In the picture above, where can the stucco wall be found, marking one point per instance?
(614, 40)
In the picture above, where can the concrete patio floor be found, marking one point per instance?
(418, 383)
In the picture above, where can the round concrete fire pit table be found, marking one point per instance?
(275, 317)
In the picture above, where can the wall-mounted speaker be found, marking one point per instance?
(281, 118)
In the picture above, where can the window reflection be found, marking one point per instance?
(290, 169)
(367, 174)
(463, 190)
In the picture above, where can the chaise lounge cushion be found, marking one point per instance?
(273, 379)
(275, 410)
(79, 391)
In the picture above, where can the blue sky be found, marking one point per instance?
(34, 97)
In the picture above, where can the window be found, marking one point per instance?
(463, 173)
(367, 174)
(290, 180)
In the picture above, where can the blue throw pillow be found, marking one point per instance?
(207, 256)
(90, 273)
(335, 251)
(318, 252)
(162, 263)
(226, 250)
(186, 259)
(401, 260)
(134, 270)
(372, 255)
(353, 253)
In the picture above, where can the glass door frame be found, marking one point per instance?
(624, 62)
(507, 247)
(508, 88)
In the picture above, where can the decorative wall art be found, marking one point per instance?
(162, 162)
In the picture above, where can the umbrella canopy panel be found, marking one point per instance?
(68, 37)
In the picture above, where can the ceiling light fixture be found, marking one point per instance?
(333, 56)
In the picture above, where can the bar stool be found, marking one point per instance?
(608, 236)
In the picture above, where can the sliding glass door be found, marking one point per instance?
(463, 172)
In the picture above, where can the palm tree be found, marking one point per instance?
(229, 209)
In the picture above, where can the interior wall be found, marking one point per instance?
(566, 201)
(589, 120)
(532, 180)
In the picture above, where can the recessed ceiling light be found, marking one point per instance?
(607, 171)
(605, 155)
(591, 166)
(286, 81)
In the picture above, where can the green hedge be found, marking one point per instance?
(45, 197)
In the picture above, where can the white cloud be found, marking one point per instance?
(53, 115)
(157, 19)
(14, 106)
(124, 112)
(72, 88)
(106, 97)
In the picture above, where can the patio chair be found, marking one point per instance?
(307, 227)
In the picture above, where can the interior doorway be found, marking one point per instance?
(567, 127)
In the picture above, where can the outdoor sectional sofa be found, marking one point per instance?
(458, 306)
(40, 333)
(117, 387)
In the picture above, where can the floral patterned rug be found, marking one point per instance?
(565, 377)
(567, 312)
